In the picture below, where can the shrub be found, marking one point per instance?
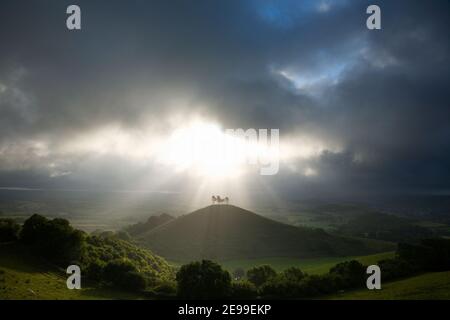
(203, 280)
(259, 275)
(94, 270)
(165, 290)
(243, 289)
(9, 230)
(238, 274)
(396, 268)
(429, 255)
(315, 285)
(123, 274)
(54, 239)
(293, 274)
(279, 287)
(352, 274)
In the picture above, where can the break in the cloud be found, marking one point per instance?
(358, 110)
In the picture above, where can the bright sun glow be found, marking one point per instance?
(199, 148)
(205, 149)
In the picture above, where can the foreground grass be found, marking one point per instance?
(24, 277)
(311, 266)
(429, 286)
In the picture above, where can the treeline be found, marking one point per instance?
(206, 279)
(108, 260)
(104, 259)
(384, 227)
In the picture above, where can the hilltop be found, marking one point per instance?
(151, 223)
(229, 232)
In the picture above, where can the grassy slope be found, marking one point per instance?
(23, 276)
(228, 232)
(429, 286)
(311, 266)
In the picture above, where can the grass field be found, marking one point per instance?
(23, 277)
(430, 286)
(311, 266)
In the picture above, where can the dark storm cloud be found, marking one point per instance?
(306, 67)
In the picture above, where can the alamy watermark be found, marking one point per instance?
(74, 280)
(227, 150)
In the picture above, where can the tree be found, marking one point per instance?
(244, 290)
(53, 239)
(9, 230)
(123, 274)
(429, 255)
(396, 268)
(293, 274)
(260, 275)
(278, 287)
(203, 280)
(352, 273)
(238, 274)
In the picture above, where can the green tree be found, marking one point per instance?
(53, 239)
(293, 274)
(279, 287)
(9, 230)
(351, 273)
(244, 290)
(238, 274)
(203, 280)
(261, 274)
(123, 274)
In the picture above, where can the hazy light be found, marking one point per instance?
(205, 149)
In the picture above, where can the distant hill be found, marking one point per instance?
(151, 223)
(228, 232)
(384, 227)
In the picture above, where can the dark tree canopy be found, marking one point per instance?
(243, 289)
(203, 280)
(9, 230)
(260, 275)
(238, 273)
(123, 274)
(351, 273)
(54, 239)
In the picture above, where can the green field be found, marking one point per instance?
(311, 266)
(429, 286)
(23, 277)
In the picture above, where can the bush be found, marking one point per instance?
(203, 280)
(293, 274)
(238, 274)
(165, 290)
(260, 275)
(429, 255)
(124, 275)
(94, 270)
(9, 230)
(315, 285)
(54, 239)
(396, 268)
(351, 273)
(243, 289)
(280, 287)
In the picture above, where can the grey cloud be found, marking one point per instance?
(385, 99)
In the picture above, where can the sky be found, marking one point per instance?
(360, 112)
